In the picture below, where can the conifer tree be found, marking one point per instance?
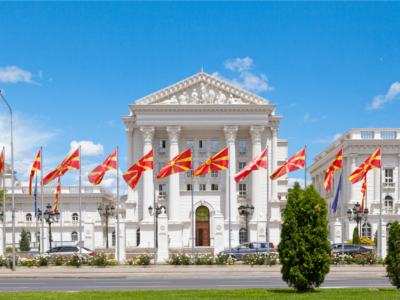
(393, 255)
(24, 244)
(304, 239)
(356, 238)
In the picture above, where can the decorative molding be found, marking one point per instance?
(202, 109)
(230, 133)
(274, 131)
(255, 132)
(129, 131)
(174, 133)
(148, 133)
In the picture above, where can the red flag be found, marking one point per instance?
(372, 162)
(132, 176)
(70, 163)
(110, 163)
(215, 163)
(258, 163)
(363, 191)
(337, 164)
(35, 167)
(1, 162)
(296, 162)
(180, 163)
(57, 193)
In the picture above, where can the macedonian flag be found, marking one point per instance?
(258, 163)
(363, 191)
(372, 162)
(216, 163)
(96, 176)
(337, 164)
(296, 162)
(132, 176)
(70, 163)
(57, 194)
(35, 167)
(1, 162)
(180, 163)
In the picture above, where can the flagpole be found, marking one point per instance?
(36, 212)
(229, 180)
(155, 218)
(342, 214)
(80, 202)
(118, 209)
(42, 212)
(4, 201)
(267, 204)
(59, 205)
(380, 213)
(365, 206)
(305, 167)
(193, 240)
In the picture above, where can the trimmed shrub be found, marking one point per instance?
(254, 259)
(24, 244)
(393, 255)
(180, 258)
(304, 247)
(356, 238)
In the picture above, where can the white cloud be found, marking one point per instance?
(40, 74)
(240, 64)
(111, 123)
(307, 115)
(391, 95)
(14, 74)
(329, 140)
(248, 81)
(89, 149)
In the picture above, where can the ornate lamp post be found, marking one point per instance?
(50, 217)
(358, 216)
(159, 210)
(106, 214)
(246, 211)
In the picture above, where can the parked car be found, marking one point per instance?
(349, 248)
(66, 251)
(249, 248)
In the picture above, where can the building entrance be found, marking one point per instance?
(202, 226)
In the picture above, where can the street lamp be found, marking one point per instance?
(1, 217)
(106, 214)
(246, 211)
(50, 217)
(159, 209)
(356, 214)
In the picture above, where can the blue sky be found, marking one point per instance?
(70, 69)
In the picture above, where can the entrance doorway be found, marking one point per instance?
(202, 226)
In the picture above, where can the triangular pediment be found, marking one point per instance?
(202, 88)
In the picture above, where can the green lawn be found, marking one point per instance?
(360, 293)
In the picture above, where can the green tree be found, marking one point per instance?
(376, 239)
(24, 243)
(393, 255)
(356, 238)
(304, 239)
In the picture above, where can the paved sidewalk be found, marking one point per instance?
(181, 272)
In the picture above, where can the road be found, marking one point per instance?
(9, 285)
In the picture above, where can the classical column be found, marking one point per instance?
(377, 185)
(230, 136)
(173, 193)
(274, 163)
(398, 177)
(256, 185)
(352, 169)
(148, 185)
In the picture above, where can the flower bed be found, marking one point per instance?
(368, 258)
(181, 258)
(141, 260)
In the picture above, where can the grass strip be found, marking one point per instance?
(349, 293)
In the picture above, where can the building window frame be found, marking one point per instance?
(28, 217)
(74, 236)
(202, 187)
(242, 164)
(214, 186)
(189, 187)
(162, 148)
(366, 230)
(75, 217)
(214, 147)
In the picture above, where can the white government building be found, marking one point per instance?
(358, 145)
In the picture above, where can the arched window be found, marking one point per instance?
(28, 217)
(74, 236)
(138, 237)
(242, 236)
(366, 230)
(113, 238)
(29, 236)
(75, 217)
(388, 204)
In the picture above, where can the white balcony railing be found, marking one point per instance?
(242, 198)
(242, 153)
(388, 210)
(161, 197)
(162, 153)
(389, 185)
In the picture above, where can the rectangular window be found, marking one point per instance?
(214, 187)
(388, 175)
(162, 148)
(204, 175)
(188, 187)
(367, 135)
(214, 174)
(202, 147)
(162, 189)
(161, 165)
(242, 189)
(202, 187)
(242, 165)
(214, 147)
(190, 144)
(388, 135)
(189, 173)
(242, 147)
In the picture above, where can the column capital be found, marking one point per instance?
(230, 133)
(148, 133)
(255, 132)
(274, 131)
(129, 130)
(173, 133)
(353, 157)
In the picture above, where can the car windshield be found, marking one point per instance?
(87, 249)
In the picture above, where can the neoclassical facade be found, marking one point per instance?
(93, 225)
(207, 115)
(358, 145)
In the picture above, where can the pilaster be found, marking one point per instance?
(88, 233)
(173, 194)
(274, 162)
(230, 136)
(148, 133)
(353, 158)
(121, 236)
